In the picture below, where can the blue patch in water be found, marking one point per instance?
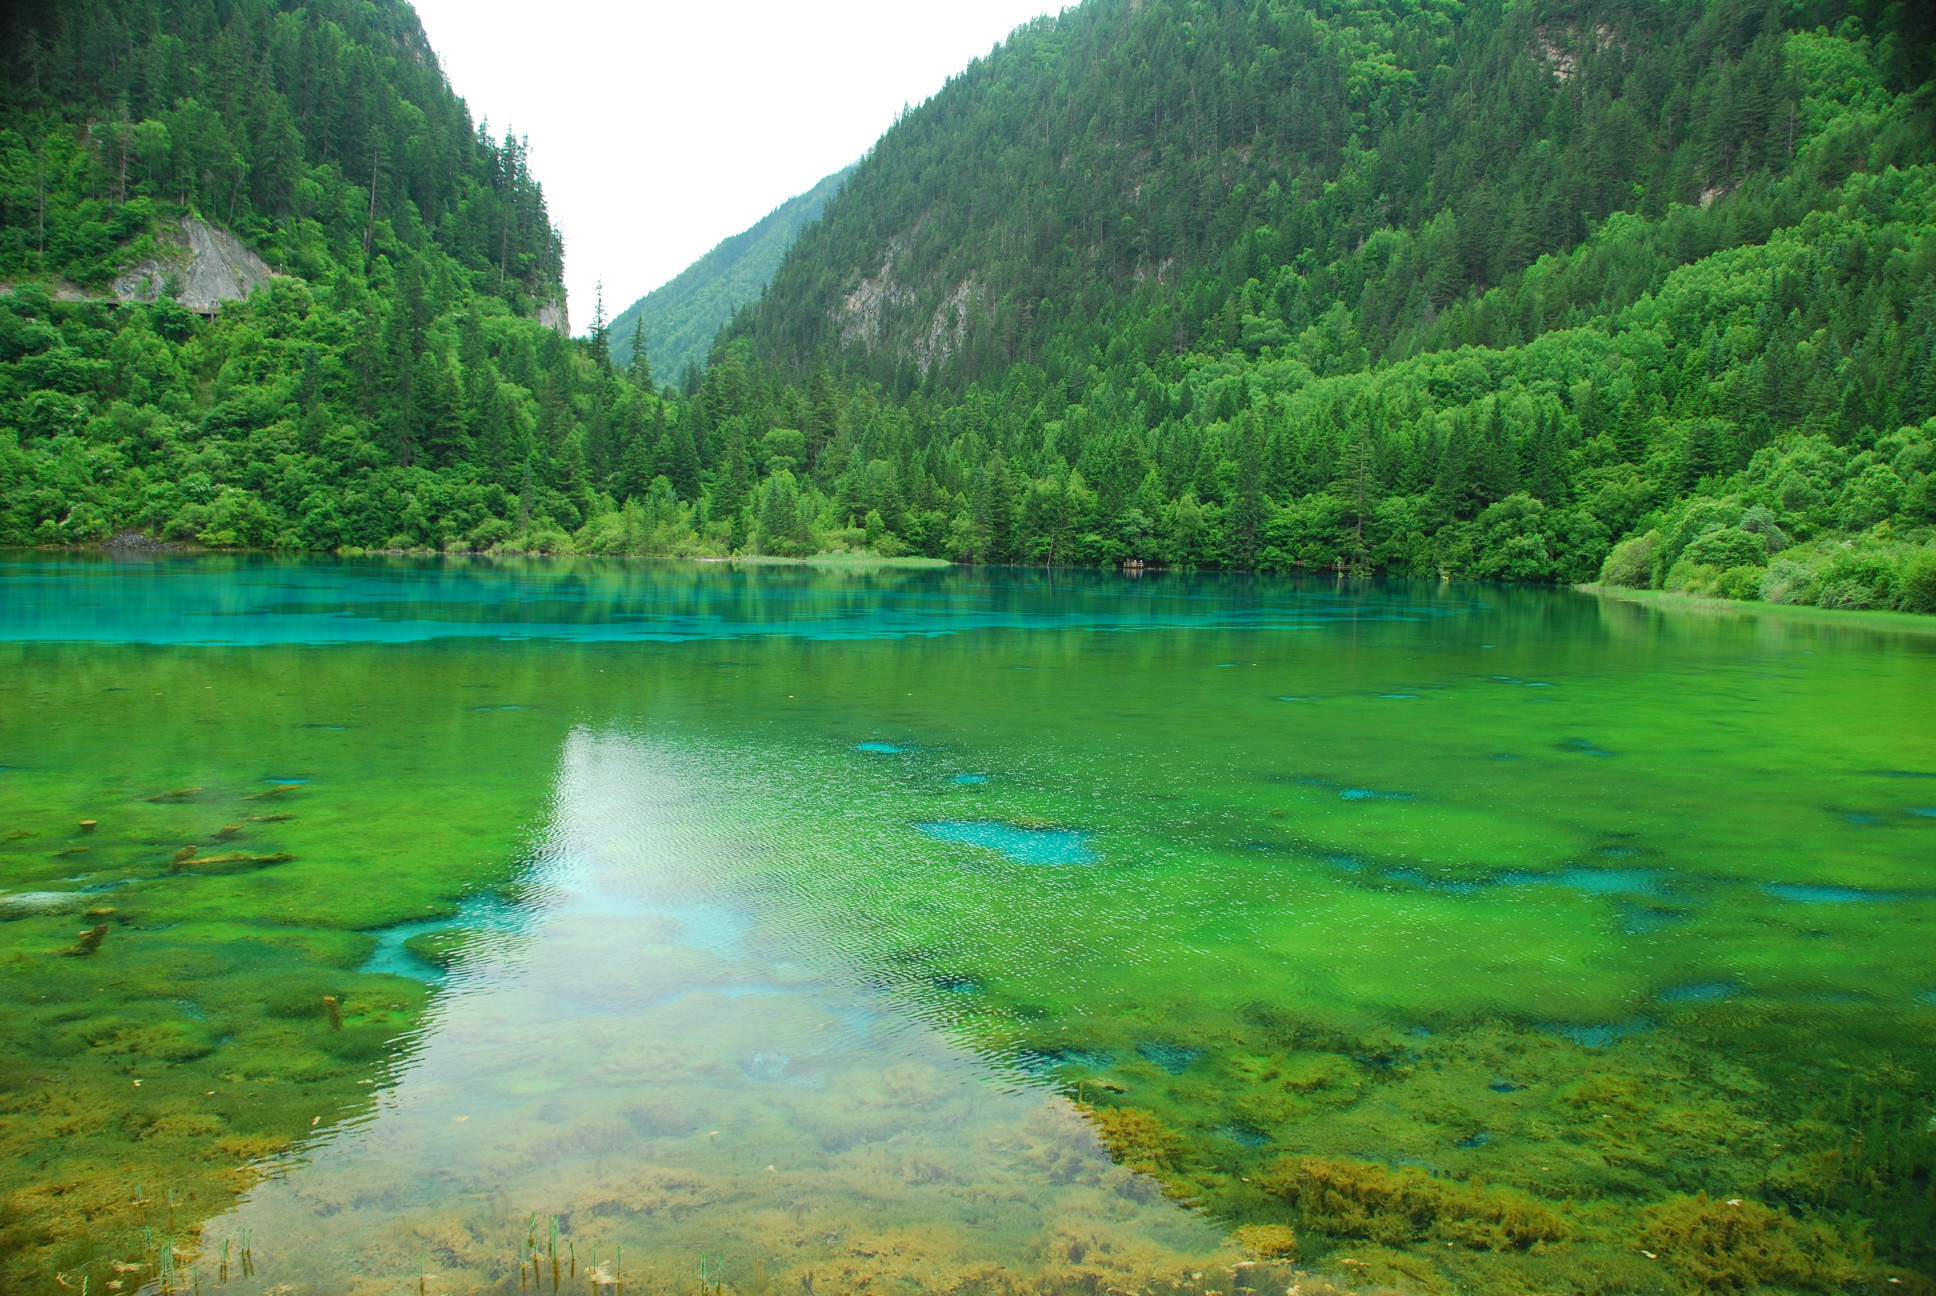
(1447, 886)
(1908, 774)
(514, 706)
(1638, 921)
(971, 780)
(1608, 881)
(1699, 992)
(1600, 1035)
(1173, 1058)
(1244, 1136)
(1397, 697)
(483, 912)
(1927, 997)
(1290, 698)
(878, 748)
(1504, 1086)
(1475, 1140)
(1802, 893)
(1862, 819)
(1022, 845)
(1926, 812)
(286, 782)
(1348, 863)
(956, 983)
(1372, 794)
(1044, 1061)
(1583, 747)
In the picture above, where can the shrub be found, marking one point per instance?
(1743, 582)
(1790, 582)
(1631, 564)
(1919, 583)
(1847, 594)
(1730, 547)
(1690, 577)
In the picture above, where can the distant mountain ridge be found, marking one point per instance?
(682, 317)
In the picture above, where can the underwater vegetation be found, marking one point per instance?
(1356, 1199)
(1741, 1245)
(1395, 1023)
(1587, 1157)
(179, 945)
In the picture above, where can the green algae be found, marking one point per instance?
(1379, 1025)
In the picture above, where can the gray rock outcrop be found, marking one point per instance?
(208, 267)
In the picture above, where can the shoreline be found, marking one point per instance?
(1868, 618)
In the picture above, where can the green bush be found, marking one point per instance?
(1631, 564)
(1919, 583)
(1690, 577)
(1849, 594)
(1729, 547)
(1789, 581)
(1743, 582)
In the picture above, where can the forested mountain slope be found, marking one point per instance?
(680, 319)
(396, 369)
(1473, 290)
(1519, 290)
(1395, 157)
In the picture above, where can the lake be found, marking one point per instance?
(806, 929)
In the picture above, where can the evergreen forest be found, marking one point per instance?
(1504, 290)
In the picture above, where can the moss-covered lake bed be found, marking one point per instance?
(854, 930)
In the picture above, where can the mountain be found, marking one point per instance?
(681, 318)
(1510, 291)
(1534, 290)
(265, 283)
(1141, 159)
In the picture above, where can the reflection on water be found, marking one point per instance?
(637, 1049)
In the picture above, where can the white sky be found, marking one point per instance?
(658, 129)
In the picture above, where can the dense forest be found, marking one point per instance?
(1511, 291)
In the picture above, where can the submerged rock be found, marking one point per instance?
(28, 904)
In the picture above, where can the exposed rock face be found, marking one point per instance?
(552, 315)
(210, 267)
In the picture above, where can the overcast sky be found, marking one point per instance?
(657, 129)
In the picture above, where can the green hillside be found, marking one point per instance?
(403, 376)
(1480, 291)
(681, 318)
(1513, 291)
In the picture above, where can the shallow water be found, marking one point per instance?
(943, 930)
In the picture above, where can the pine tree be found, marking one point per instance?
(1244, 523)
(640, 368)
(601, 345)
